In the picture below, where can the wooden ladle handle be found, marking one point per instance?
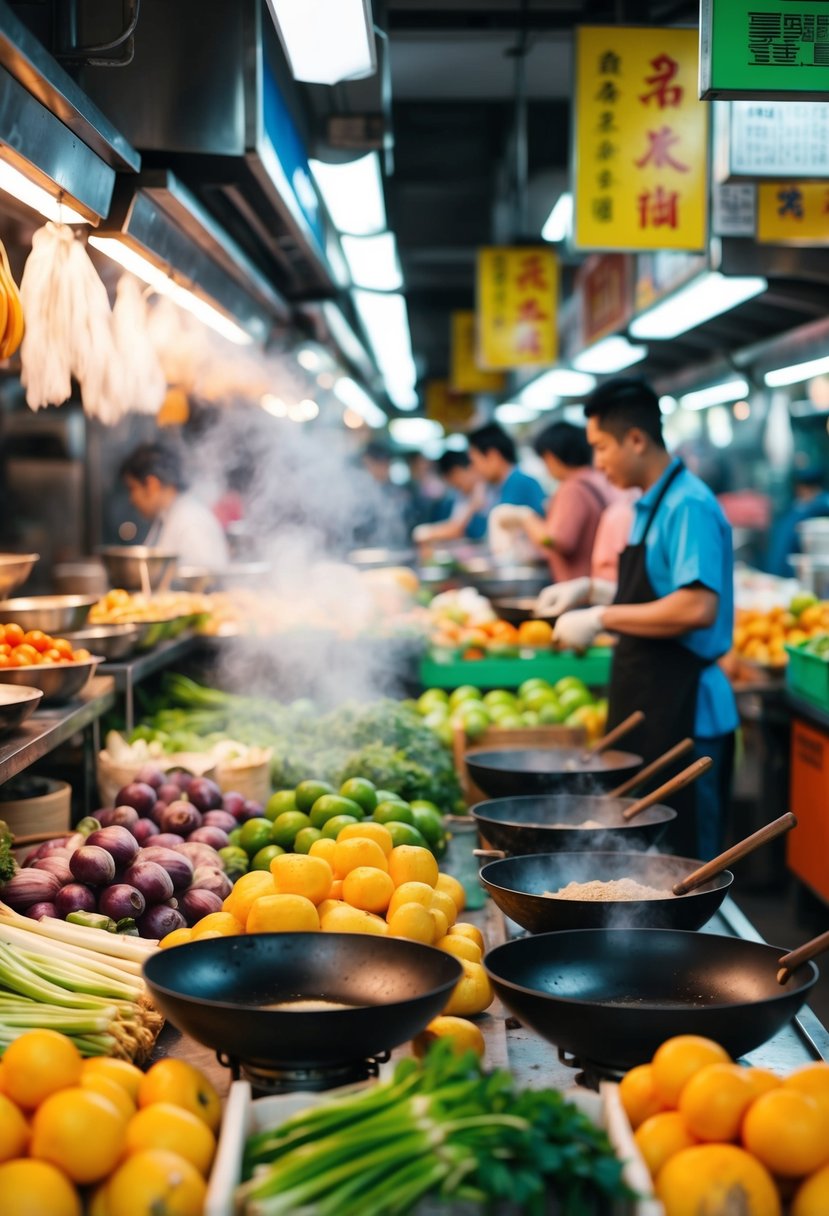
(650, 770)
(613, 736)
(804, 954)
(678, 782)
(717, 864)
(489, 854)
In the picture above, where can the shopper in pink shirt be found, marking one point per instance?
(612, 536)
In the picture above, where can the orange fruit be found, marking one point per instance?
(325, 907)
(812, 1197)
(450, 886)
(368, 888)
(302, 874)
(35, 1188)
(716, 1179)
(440, 921)
(178, 937)
(324, 848)
(245, 890)
(79, 1131)
(472, 993)
(412, 921)
(445, 904)
(163, 1125)
(676, 1061)
(127, 1075)
(377, 832)
(412, 863)
(763, 1080)
(788, 1131)
(178, 1082)
(411, 893)
(345, 919)
(535, 633)
(812, 1079)
(283, 914)
(464, 929)
(14, 1130)
(638, 1096)
(37, 1064)
(357, 851)
(661, 1137)
(336, 892)
(217, 924)
(463, 1034)
(461, 947)
(714, 1101)
(99, 1084)
(156, 1183)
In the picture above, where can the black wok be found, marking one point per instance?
(613, 995)
(527, 825)
(549, 770)
(517, 884)
(218, 991)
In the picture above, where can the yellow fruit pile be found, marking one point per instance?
(358, 883)
(762, 636)
(143, 1143)
(718, 1137)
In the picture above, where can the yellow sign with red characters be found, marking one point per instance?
(465, 374)
(517, 301)
(640, 140)
(793, 213)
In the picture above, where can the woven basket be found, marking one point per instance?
(112, 777)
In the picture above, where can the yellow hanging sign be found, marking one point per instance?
(640, 140)
(454, 411)
(793, 213)
(465, 374)
(517, 300)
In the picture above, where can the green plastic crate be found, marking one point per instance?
(808, 676)
(447, 670)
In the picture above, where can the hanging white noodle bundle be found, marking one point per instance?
(144, 384)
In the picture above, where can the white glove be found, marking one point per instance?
(602, 591)
(561, 597)
(578, 630)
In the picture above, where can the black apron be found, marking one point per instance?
(660, 676)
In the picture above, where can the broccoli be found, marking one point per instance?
(8, 866)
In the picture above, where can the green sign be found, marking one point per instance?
(758, 49)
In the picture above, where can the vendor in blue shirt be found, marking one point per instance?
(672, 609)
(494, 458)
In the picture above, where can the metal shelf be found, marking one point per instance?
(131, 672)
(50, 727)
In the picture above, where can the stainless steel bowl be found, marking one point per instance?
(58, 682)
(814, 535)
(16, 703)
(124, 564)
(111, 642)
(196, 579)
(53, 614)
(15, 568)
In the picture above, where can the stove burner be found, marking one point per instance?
(592, 1071)
(267, 1079)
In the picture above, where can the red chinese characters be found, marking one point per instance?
(662, 90)
(658, 207)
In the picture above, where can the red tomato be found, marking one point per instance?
(13, 635)
(38, 639)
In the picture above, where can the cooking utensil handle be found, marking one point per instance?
(717, 864)
(489, 854)
(804, 954)
(678, 782)
(613, 736)
(650, 770)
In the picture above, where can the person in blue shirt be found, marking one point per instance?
(672, 608)
(810, 500)
(470, 509)
(494, 458)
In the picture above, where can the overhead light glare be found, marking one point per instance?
(19, 186)
(353, 420)
(353, 194)
(796, 373)
(386, 323)
(612, 354)
(715, 394)
(706, 296)
(304, 411)
(412, 432)
(513, 413)
(309, 359)
(274, 405)
(545, 391)
(358, 401)
(559, 223)
(668, 405)
(742, 411)
(326, 41)
(161, 282)
(373, 262)
(457, 443)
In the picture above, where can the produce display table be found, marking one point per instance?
(593, 667)
(130, 672)
(50, 727)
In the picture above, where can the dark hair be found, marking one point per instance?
(492, 437)
(623, 403)
(154, 460)
(566, 442)
(451, 460)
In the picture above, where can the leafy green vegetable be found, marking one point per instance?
(8, 866)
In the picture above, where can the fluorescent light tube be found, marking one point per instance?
(373, 261)
(26, 191)
(707, 296)
(559, 223)
(668, 405)
(715, 394)
(326, 40)
(612, 354)
(161, 282)
(355, 397)
(353, 194)
(796, 372)
(513, 413)
(544, 392)
(386, 322)
(414, 431)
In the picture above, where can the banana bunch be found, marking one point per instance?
(11, 309)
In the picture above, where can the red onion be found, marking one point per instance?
(207, 878)
(42, 909)
(215, 837)
(181, 817)
(167, 840)
(121, 816)
(59, 866)
(200, 854)
(29, 887)
(138, 795)
(204, 794)
(196, 903)
(122, 901)
(148, 877)
(219, 819)
(118, 841)
(234, 803)
(168, 792)
(92, 864)
(74, 897)
(177, 865)
(144, 830)
(157, 922)
(148, 774)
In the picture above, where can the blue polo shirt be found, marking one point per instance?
(520, 490)
(690, 542)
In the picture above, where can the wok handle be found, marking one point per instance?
(613, 736)
(678, 782)
(650, 770)
(804, 954)
(489, 854)
(711, 868)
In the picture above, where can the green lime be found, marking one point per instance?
(503, 650)
(423, 804)
(476, 725)
(388, 796)
(329, 805)
(256, 834)
(436, 718)
(235, 861)
(429, 823)
(361, 791)
(499, 696)
(262, 860)
(466, 692)
(802, 601)
(445, 733)
(305, 839)
(551, 714)
(307, 793)
(278, 803)
(537, 697)
(511, 722)
(235, 837)
(575, 698)
(406, 833)
(530, 718)
(393, 812)
(335, 825)
(497, 712)
(566, 682)
(530, 685)
(430, 699)
(286, 827)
